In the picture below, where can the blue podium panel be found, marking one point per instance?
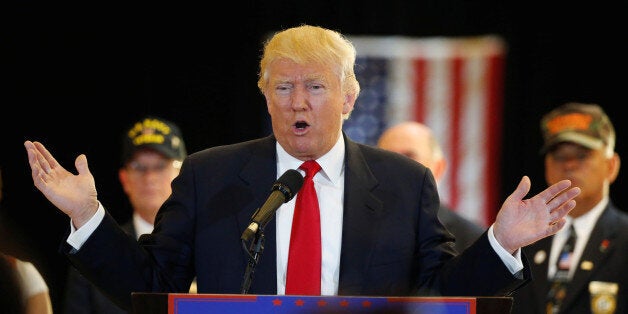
(275, 304)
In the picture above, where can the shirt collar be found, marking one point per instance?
(141, 226)
(331, 163)
(584, 224)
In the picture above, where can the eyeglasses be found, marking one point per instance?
(160, 167)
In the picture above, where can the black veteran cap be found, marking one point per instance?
(154, 133)
(582, 124)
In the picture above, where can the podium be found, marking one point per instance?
(182, 303)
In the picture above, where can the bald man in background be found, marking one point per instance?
(417, 141)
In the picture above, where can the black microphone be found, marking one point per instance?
(283, 191)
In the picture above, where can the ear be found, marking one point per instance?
(614, 164)
(438, 168)
(348, 104)
(123, 176)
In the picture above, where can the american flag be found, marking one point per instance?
(453, 85)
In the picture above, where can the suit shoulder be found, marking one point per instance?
(232, 149)
(222, 156)
(453, 219)
(373, 153)
(616, 216)
(382, 160)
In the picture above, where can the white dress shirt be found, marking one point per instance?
(141, 226)
(329, 183)
(583, 226)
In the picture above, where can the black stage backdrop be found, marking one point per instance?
(75, 74)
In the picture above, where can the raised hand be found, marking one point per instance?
(75, 195)
(522, 222)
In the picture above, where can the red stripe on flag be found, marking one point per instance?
(420, 81)
(457, 90)
(493, 149)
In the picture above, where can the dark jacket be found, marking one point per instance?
(464, 230)
(81, 296)
(605, 259)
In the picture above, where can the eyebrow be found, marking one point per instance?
(307, 78)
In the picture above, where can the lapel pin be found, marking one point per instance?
(539, 257)
(604, 245)
(586, 265)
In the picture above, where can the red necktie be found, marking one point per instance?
(304, 258)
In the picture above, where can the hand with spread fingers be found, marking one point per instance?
(524, 221)
(75, 195)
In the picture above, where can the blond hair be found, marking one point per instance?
(312, 44)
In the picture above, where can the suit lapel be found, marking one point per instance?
(260, 173)
(600, 245)
(361, 209)
(540, 253)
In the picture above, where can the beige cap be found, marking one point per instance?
(582, 124)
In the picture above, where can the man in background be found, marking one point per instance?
(586, 274)
(417, 141)
(152, 153)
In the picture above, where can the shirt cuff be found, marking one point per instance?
(78, 236)
(512, 261)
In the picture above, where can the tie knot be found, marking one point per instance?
(311, 167)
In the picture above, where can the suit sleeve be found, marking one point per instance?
(477, 271)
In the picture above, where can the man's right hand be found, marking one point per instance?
(75, 195)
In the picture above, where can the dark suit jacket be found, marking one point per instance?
(81, 296)
(464, 230)
(605, 258)
(392, 241)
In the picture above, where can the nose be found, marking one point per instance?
(299, 100)
(571, 162)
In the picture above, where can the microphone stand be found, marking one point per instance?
(254, 251)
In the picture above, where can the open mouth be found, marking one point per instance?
(301, 125)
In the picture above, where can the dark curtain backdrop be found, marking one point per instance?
(76, 74)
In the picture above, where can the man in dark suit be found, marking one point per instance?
(152, 153)
(379, 231)
(580, 146)
(417, 141)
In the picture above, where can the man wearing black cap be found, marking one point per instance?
(589, 274)
(152, 153)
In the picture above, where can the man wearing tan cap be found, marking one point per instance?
(152, 153)
(587, 274)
